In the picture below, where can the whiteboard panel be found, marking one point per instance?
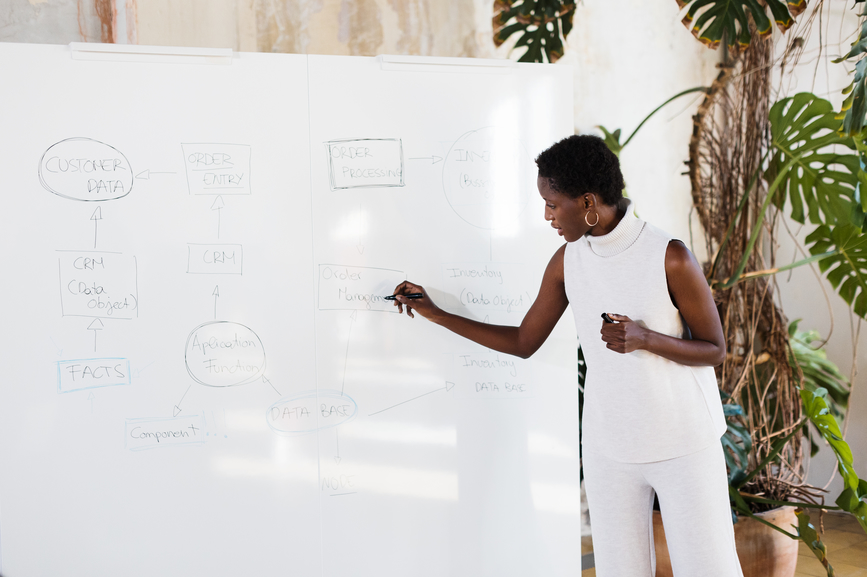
(155, 223)
(461, 461)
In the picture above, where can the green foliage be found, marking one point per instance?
(818, 371)
(854, 109)
(820, 173)
(543, 24)
(816, 409)
(612, 139)
(736, 441)
(846, 268)
(715, 21)
(808, 534)
(821, 184)
(853, 499)
(855, 502)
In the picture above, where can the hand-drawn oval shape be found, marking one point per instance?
(311, 411)
(85, 169)
(224, 354)
(487, 178)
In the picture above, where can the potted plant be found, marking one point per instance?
(752, 160)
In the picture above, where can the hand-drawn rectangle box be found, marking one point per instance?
(98, 284)
(214, 168)
(365, 163)
(81, 374)
(491, 376)
(215, 258)
(143, 434)
(358, 288)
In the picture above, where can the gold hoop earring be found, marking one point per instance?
(588, 222)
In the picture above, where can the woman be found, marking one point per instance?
(652, 415)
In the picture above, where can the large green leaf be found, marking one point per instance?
(854, 108)
(810, 537)
(712, 21)
(736, 441)
(853, 499)
(846, 269)
(816, 409)
(821, 184)
(855, 502)
(543, 25)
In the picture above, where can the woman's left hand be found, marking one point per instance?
(623, 336)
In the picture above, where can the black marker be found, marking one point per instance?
(409, 296)
(606, 318)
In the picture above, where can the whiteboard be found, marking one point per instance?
(202, 377)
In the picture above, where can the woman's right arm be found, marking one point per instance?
(521, 341)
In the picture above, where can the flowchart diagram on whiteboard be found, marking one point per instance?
(206, 335)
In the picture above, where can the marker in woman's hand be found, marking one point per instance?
(409, 296)
(606, 318)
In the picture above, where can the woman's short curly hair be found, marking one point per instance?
(580, 164)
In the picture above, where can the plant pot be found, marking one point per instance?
(763, 552)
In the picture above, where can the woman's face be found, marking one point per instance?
(565, 214)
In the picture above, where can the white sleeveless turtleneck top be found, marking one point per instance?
(638, 407)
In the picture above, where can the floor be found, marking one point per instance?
(845, 539)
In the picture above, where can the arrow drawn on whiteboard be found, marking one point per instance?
(95, 326)
(146, 174)
(216, 295)
(90, 398)
(177, 410)
(218, 205)
(268, 382)
(96, 217)
(433, 159)
(449, 386)
(337, 436)
(59, 350)
(346, 358)
(136, 373)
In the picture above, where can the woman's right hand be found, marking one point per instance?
(423, 306)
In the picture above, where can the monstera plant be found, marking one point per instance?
(542, 25)
(717, 21)
(752, 162)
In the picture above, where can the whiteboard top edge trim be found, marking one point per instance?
(446, 61)
(160, 50)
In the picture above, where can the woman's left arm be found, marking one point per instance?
(692, 296)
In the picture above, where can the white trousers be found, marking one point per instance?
(693, 500)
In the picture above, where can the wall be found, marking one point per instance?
(53, 21)
(628, 57)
